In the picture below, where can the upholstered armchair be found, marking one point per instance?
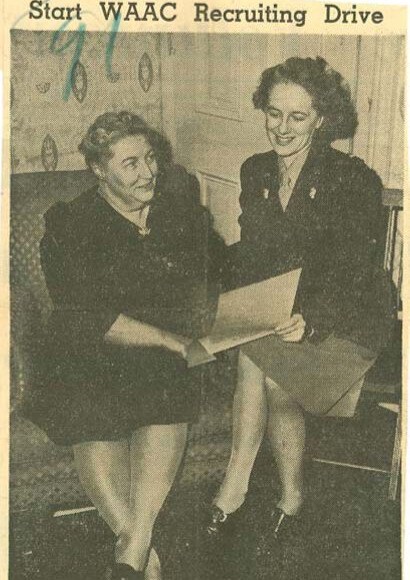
(42, 474)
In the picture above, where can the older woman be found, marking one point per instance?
(305, 204)
(126, 267)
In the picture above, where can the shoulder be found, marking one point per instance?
(179, 186)
(175, 176)
(346, 167)
(256, 162)
(69, 218)
(351, 185)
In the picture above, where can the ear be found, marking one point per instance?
(319, 122)
(98, 170)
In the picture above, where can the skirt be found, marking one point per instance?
(325, 378)
(113, 395)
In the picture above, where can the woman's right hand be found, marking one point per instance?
(127, 331)
(176, 343)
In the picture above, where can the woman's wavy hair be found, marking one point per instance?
(329, 91)
(110, 127)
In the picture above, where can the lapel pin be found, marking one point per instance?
(265, 193)
(312, 193)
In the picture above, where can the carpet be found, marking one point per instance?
(347, 530)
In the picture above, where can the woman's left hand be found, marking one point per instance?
(292, 330)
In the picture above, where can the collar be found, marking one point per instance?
(292, 165)
(136, 217)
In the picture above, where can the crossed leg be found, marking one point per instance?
(128, 482)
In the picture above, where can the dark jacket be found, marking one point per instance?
(98, 266)
(333, 228)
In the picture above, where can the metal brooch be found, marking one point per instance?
(312, 193)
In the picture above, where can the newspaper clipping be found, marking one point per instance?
(202, 290)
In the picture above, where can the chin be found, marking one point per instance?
(284, 151)
(144, 197)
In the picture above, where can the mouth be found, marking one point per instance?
(283, 140)
(147, 186)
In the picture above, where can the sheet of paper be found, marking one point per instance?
(251, 312)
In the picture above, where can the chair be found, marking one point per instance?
(41, 474)
(387, 395)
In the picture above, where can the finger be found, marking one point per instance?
(293, 336)
(289, 331)
(300, 326)
(293, 321)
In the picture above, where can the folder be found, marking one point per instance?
(246, 314)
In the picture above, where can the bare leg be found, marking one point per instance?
(248, 428)
(156, 452)
(104, 471)
(286, 430)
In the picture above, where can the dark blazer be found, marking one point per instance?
(333, 227)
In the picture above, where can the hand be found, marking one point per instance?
(292, 330)
(176, 343)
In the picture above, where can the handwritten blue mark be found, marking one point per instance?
(79, 38)
(113, 77)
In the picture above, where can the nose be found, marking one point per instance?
(145, 170)
(283, 126)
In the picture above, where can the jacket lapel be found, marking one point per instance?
(270, 180)
(305, 188)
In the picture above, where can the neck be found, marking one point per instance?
(289, 159)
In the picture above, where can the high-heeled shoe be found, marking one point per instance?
(282, 523)
(126, 572)
(219, 522)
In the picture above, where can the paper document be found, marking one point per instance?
(248, 313)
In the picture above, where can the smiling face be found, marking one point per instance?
(128, 177)
(291, 119)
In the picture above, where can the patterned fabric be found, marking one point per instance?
(50, 107)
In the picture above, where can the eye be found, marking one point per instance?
(299, 116)
(273, 113)
(131, 164)
(150, 157)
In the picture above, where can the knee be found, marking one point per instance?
(249, 373)
(279, 401)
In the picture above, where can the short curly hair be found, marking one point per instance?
(110, 127)
(329, 91)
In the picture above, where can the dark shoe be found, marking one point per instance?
(283, 525)
(219, 522)
(126, 572)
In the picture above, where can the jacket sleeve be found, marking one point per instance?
(347, 266)
(81, 314)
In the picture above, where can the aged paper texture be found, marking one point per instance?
(161, 158)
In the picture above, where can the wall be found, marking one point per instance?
(215, 127)
(215, 79)
(45, 128)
